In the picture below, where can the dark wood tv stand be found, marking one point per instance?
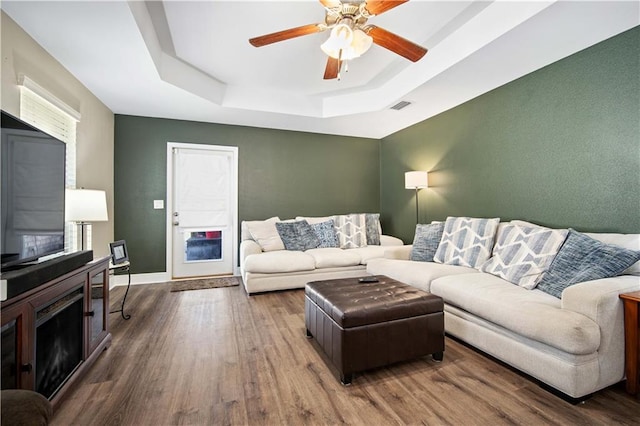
(84, 291)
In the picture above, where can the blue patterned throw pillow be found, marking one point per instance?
(372, 222)
(297, 235)
(326, 234)
(582, 258)
(522, 254)
(426, 241)
(466, 241)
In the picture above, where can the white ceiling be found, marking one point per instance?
(191, 60)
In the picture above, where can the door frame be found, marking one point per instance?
(169, 197)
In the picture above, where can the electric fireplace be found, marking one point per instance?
(9, 350)
(58, 343)
(54, 330)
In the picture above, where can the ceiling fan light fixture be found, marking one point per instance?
(359, 43)
(340, 38)
(350, 36)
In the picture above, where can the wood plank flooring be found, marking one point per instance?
(220, 357)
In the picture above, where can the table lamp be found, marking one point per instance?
(84, 206)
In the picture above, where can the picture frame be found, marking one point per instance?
(119, 252)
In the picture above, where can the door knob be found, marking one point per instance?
(176, 223)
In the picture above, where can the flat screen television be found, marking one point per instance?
(33, 189)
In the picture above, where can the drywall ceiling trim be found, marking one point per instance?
(170, 69)
(480, 29)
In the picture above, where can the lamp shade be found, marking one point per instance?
(338, 48)
(85, 205)
(417, 179)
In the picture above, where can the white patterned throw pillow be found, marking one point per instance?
(466, 241)
(522, 253)
(351, 230)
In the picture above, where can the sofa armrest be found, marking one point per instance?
(600, 301)
(248, 247)
(388, 240)
(595, 299)
(399, 252)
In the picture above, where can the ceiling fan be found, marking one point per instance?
(350, 35)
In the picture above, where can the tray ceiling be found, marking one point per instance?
(191, 60)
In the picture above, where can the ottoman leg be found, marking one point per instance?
(438, 356)
(345, 379)
(309, 335)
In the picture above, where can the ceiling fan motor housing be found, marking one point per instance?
(355, 13)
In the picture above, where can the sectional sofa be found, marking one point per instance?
(545, 301)
(348, 243)
(533, 299)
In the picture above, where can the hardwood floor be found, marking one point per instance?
(218, 356)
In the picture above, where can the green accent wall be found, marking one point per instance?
(559, 147)
(280, 173)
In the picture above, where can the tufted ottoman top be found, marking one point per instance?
(351, 303)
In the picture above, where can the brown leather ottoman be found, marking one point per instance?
(367, 325)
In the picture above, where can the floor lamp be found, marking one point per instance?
(416, 180)
(84, 206)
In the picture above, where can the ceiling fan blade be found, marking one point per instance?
(330, 4)
(332, 69)
(286, 34)
(395, 43)
(376, 7)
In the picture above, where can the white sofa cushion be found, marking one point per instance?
(332, 257)
(264, 232)
(313, 220)
(388, 240)
(369, 252)
(279, 261)
(417, 274)
(530, 313)
(245, 234)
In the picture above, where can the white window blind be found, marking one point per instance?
(44, 111)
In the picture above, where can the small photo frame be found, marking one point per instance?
(119, 253)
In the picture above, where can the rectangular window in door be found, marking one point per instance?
(202, 245)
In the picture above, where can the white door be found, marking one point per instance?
(203, 208)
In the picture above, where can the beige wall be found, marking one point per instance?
(21, 55)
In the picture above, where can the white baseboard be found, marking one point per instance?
(152, 278)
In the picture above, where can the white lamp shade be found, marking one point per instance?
(361, 42)
(338, 49)
(85, 205)
(417, 179)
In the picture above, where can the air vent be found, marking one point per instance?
(401, 105)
